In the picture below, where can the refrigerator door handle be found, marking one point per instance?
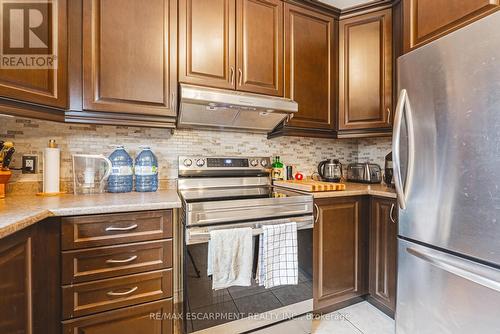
(403, 108)
(477, 273)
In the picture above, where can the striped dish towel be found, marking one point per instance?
(278, 262)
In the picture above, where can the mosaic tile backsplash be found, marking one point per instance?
(32, 136)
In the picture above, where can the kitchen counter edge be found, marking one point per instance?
(20, 211)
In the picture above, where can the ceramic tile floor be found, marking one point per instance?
(361, 318)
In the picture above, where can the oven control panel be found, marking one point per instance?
(223, 163)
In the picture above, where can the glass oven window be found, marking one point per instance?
(208, 308)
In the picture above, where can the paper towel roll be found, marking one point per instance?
(51, 170)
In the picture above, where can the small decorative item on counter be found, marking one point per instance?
(299, 176)
(278, 172)
(121, 179)
(146, 171)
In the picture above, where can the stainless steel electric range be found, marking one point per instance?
(224, 192)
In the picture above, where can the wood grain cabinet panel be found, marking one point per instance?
(16, 291)
(104, 262)
(129, 320)
(129, 56)
(110, 229)
(260, 46)
(340, 252)
(42, 86)
(426, 20)
(365, 74)
(97, 296)
(310, 67)
(29, 280)
(207, 39)
(383, 254)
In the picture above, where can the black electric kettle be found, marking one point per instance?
(330, 170)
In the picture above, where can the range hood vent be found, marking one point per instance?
(202, 107)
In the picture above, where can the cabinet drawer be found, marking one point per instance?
(111, 229)
(129, 320)
(87, 298)
(111, 261)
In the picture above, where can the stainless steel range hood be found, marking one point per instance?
(202, 107)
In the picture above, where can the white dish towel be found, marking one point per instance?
(278, 261)
(230, 257)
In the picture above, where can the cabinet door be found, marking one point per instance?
(340, 251)
(207, 42)
(129, 56)
(16, 290)
(310, 67)
(426, 20)
(383, 253)
(365, 74)
(151, 318)
(42, 86)
(260, 46)
(29, 282)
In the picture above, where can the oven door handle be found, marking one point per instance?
(202, 234)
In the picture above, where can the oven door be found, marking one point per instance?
(240, 309)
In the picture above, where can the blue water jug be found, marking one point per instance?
(122, 176)
(146, 171)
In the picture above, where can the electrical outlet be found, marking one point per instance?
(30, 164)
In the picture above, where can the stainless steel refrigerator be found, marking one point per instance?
(446, 150)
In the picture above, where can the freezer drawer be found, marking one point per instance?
(442, 293)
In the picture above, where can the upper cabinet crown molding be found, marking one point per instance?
(129, 56)
(427, 20)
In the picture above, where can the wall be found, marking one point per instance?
(31, 137)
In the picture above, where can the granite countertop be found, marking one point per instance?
(358, 189)
(20, 211)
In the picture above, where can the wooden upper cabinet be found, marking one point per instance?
(340, 251)
(207, 42)
(260, 46)
(383, 253)
(42, 86)
(365, 74)
(310, 67)
(129, 56)
(426, 20)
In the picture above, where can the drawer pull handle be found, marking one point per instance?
(128, 228)
(130, 259)
(111, 293)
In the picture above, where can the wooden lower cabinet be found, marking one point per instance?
(150, 318)
(340, 252)
(110, 284)
(29, 280)
(383, 254)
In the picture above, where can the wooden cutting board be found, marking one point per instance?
(310, 185)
